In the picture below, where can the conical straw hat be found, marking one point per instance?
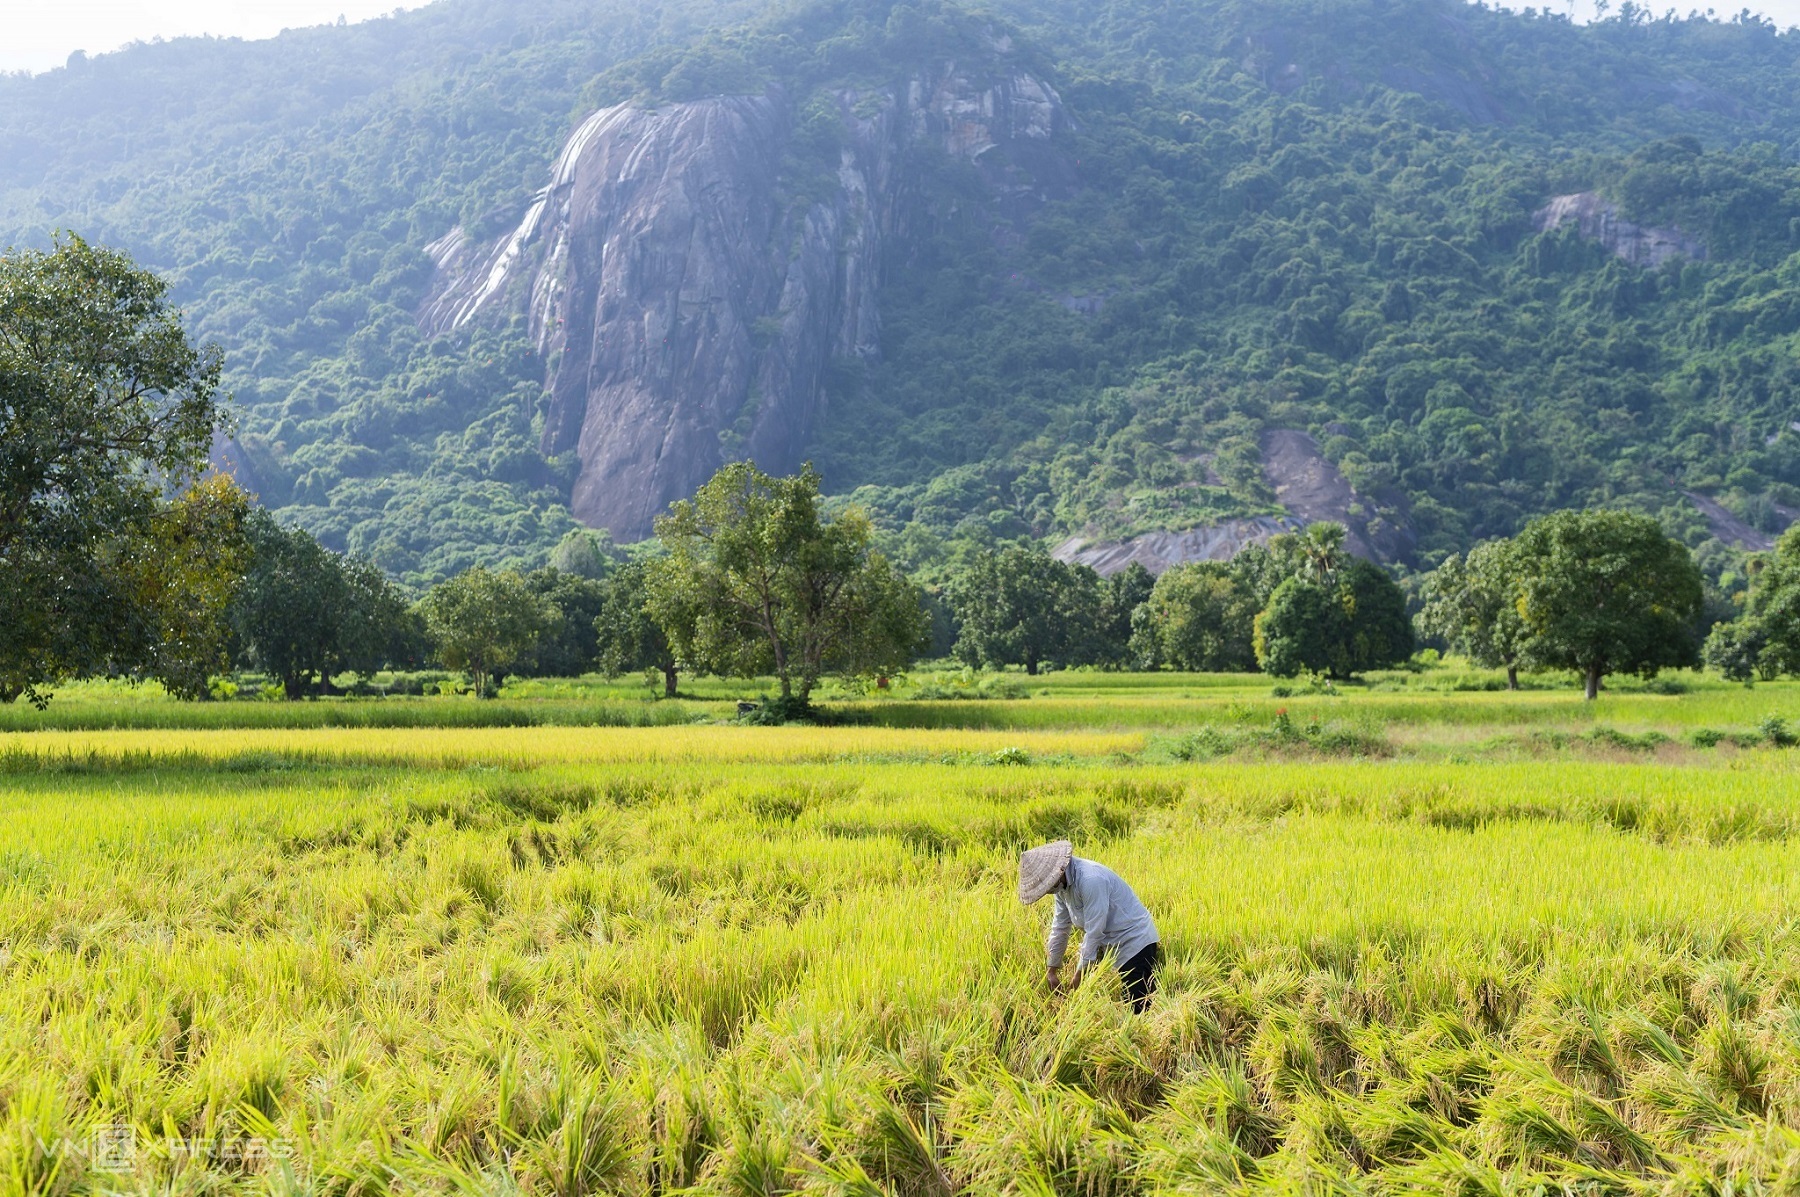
(1041, 868)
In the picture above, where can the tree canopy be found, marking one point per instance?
(1601, 592)
(755, 580)
(485, 622)
(1343, 241)
(107, 408)
(304, 613)
(1471, 604)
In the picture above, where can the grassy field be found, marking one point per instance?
(1419, 939)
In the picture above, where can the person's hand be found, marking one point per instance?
(1054, 978)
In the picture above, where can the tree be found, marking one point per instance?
(484, 622)
(1314, 554)
(1764, 641)
(1603, 592)
(1120, 597)
(305, 613)
(106, 409)
(1021, 606)
(1376, 631)
(1338, 623)
(628, 639)
(569, 646)
(584, 552)
(179, 584)
(1472, 605)
(1200, 617)
(1294, 633)
(757, 581)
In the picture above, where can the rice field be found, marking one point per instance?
(1459, 944)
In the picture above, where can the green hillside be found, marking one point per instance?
(1291, 215)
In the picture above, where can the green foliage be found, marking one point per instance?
(104, 403)
(1200, 618)
(628, 639)
(1765, 640)
(1021, 606)
(1603, 592)
(1292, 215)
(304, 613)
(1120, 598)
(485, 623)
(757, 581)
(569, 644)
(1350, 249)
(287, 189)
(584, 553)
(1339, 622)
(178, 587)
(1469, 605)
(1301, 605)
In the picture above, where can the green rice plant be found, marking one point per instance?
(790, 960)
(1044, 1138)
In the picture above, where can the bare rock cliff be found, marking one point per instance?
(687, 305)
(1309, 488)
(1598, 219)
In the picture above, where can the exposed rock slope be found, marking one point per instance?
(1306, 484)
(1598, 218)
(687, 305)
(1160, 551)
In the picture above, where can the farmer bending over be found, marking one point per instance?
(1112, 920)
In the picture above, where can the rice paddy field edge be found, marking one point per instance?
(719, 959)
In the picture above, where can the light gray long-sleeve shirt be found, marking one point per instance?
(1109, 914)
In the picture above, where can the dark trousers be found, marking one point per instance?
(1139, 976)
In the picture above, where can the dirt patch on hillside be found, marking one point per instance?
(1729, 528)
(1312, 488)
(1159, 551)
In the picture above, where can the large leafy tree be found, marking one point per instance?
(756, 580)
(1121, 596)
(1200, 617)
(305, 613)
(628, 638)
(1021, 606)
(1339, 622)
(106, 409)
(485, 622)
(569, 646)
(1472, 605)
(1603, 592)
(1764, 641)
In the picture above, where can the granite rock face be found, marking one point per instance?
(688, 303)
(1598, 219)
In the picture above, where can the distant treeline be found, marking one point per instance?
(118, 558)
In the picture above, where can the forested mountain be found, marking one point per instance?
(1057, 269)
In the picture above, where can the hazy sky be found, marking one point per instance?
(36, 35)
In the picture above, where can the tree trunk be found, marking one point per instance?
(9, 694)
(669, 678)
(1512, 676)
(1593, 682)
(294, 687)
(1031, 666)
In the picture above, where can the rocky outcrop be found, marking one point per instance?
(1313, 490)
(1159, 551)
(687, 305)
(1307, 485)
(1598, 219)
(1726, 525)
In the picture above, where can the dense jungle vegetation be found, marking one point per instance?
(1291, 215)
